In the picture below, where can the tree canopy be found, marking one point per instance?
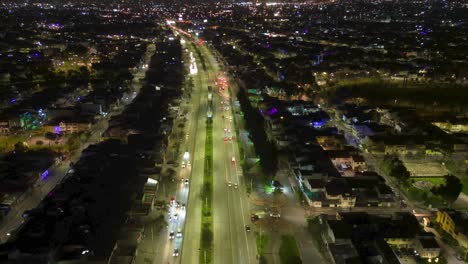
(394, 167)
(450, 190)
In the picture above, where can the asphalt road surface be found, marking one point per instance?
(232, 242)
(196, 140)
(188, 220)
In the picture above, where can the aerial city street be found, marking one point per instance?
(282, 132)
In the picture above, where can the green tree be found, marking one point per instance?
(264, 148)
(450, 190)
(394, 167)
(84, 137)
(400, 172)
(21, 146)
(207, 237)
(73, 142)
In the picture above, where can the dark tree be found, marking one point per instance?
(21, 147)
(394, 167)
(450, 190)
(264, 148)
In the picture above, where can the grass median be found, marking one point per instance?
(206, 238)
(289, 252)
(262, 241)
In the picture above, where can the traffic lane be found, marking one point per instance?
(192, 215)
(181, 197)
(239, 212)
(244, 209)
(193, 219)
(244, 252)
(173, 226)
(250, 237)
(242, 196)
(240, 244)
(233, 192)
(224, 246)
(244, 218)
(236, 203)
(235, 247)
(233, 230)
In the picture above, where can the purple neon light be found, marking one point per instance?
(273, 111)
(45, 175)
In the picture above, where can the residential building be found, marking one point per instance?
(66, 127)
(426, 246)
(4, 126)
(455, 223)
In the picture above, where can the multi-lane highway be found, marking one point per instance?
(232, 242)
(197, 138)
(182, 235)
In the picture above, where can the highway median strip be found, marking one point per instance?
(206, 238)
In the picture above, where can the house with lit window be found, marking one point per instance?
(347, 162)
(426, 246)
(68, 125)
(331, 142)
(339, 194)
(374, 237)
(4, 126)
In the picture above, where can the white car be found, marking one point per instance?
(275, 215)
(236, 185)
(233, 159)
(186, 181)
(229, 184)
(179, 233)
(183, 164)
(176, 216)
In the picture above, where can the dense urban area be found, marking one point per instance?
(137, 132)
